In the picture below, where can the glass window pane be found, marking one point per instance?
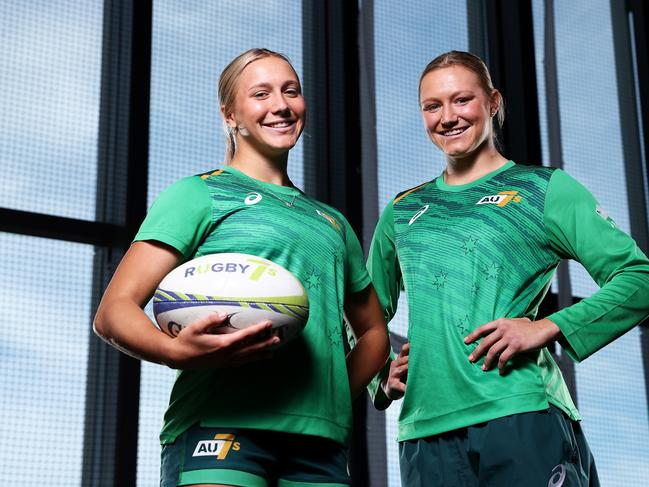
(192, 43)
(50, 66)
(610, 385)
(45, 300)
(406, 157)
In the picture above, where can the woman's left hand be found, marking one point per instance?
(506, 337)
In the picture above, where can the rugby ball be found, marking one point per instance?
(247, 288)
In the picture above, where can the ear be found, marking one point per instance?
(228, 116)
(494, 101)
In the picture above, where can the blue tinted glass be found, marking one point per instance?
(610, 385)
(50, 68)
(45, 302)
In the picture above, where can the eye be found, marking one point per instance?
(463, 100)
(292, 92)
(430, 107)
(260, 95)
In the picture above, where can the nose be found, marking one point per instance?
(279, 103)
(449, 117)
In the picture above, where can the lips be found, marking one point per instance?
(282, 124)
(453, 132)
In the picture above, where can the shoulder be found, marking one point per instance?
(522, 172)
(329, 212)
(412, 191)
(183, 189)
(566, 188)
(215, 176)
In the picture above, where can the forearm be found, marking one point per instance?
(124, 325)
(606, 315)
(368, 356)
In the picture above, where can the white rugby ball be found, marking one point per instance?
(247, 288)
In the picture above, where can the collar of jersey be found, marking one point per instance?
(441, 184)
(276, 188)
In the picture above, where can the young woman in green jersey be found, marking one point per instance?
(484, 403)
(240, 414)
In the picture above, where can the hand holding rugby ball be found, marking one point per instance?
(248, 289)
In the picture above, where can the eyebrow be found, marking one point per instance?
(268, 85)
(453, 95)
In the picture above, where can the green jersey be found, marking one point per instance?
(304, 388)
(472, 253)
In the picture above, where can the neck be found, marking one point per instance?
(267, 169)
(464, 170)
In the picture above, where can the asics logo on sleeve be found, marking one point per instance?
(602, 213)
(252, 199)
(500, 199)
(421, 211)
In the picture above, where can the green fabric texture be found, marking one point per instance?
(228, 477)
(579, 230)
(469, 254)
(304, 388)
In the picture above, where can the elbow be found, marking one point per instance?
(386, 350)
(99, 326)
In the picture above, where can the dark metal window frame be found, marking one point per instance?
(340, 168)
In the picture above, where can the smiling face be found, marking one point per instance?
(268, 111)
(457, 111)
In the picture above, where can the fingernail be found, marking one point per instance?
(484, 367)
(220, 315)
(470, 358)
(466, 339)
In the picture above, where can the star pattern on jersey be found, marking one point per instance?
(335, 336)
(463, 325)
(475, 289)
(470, 244)
(492, 271)
(439, 281)
(313, 278)
(339, 257)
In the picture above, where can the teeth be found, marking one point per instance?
(278, 125)
(453, 132)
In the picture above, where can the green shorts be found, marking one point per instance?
(541, 448)
(253, 458)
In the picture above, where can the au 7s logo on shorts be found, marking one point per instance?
(218, 447)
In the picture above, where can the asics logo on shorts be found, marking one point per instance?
(252, 199)
(558, 476)
(421, 211)
(219, 447)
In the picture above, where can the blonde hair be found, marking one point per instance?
(228, 88)
(474, 64)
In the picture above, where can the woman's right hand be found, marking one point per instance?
(394, 386)
(198, 347)
(121, 321)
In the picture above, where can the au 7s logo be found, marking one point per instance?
(500, 199)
